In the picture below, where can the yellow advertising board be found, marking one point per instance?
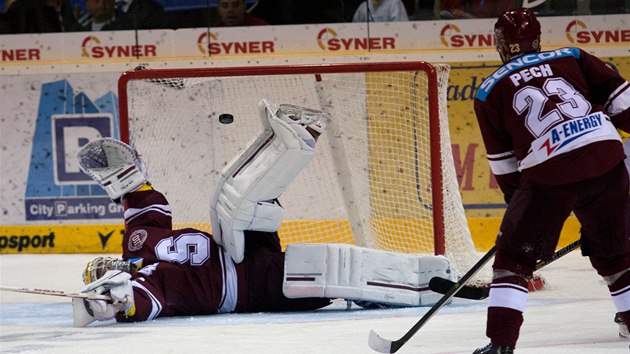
(61, 238)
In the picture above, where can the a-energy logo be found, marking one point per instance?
(577, 33)
(569, 132)
(329, 40)
(91, 47)
(451, 36)
(208, 43)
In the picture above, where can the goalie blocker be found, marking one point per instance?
(368, 275)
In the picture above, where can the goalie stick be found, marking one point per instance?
(81, 314)
(383, 345)
(56, 293)
(442, 285)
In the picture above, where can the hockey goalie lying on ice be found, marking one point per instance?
(241, 267)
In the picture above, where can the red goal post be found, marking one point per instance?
(383, 175)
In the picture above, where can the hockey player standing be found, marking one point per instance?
(548, 121)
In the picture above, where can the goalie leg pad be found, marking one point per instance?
(356, 273)
(114, 165)
(245, 198)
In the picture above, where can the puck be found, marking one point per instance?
(226, 118)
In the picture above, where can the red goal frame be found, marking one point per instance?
(318, 69)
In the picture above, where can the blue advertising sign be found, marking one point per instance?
(56, 188)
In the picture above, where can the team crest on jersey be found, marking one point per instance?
(136, 240)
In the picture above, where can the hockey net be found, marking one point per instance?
(383, 176)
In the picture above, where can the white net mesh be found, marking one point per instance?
(370, 181)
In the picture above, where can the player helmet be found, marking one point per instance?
(100, 265)
(517, 32)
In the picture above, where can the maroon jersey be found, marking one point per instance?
(184, 272)
(548, 118)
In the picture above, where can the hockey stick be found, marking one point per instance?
(383, 345)
(56, 293)
(442, 285)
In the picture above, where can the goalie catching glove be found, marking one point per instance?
(114, 165)
(246, 195)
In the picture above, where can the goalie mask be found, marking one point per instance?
(96, 268)
(517, 32)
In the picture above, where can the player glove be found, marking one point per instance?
(117, 285)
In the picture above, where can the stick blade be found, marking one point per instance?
(379, 343)
(443, 286)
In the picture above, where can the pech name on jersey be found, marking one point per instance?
(522, 62)
(525, 75)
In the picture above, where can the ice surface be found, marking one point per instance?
(575, 315)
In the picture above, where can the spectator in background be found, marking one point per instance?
(232, 13)
(455, 9)
(599, 7)
(322, 11)
(40, 16)
(424, 10)
(381, 11)
(349, 8)
(288, 12)
(139, 14)
(5, 26)
(120, 15)
(100, 13)
(462, 9)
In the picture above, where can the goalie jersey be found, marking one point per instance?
(184, 272)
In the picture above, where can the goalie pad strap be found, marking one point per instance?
(356, 273)
(259, 216)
